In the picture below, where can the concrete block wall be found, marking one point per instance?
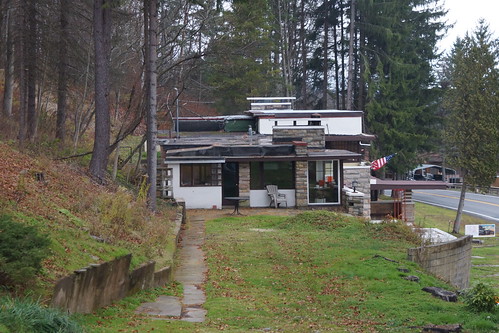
(449, 261)
(99, 285)
(93, 287)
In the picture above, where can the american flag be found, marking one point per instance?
(380, 162)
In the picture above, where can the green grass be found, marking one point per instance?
(26, 316)
(428, 216)
(314, 272)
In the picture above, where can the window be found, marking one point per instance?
(200, 175)
(276, 173)
(323, 182)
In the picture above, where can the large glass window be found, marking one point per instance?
(323, 182)
(275, 173)
(200, 174)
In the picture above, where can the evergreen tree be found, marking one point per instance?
(400, 45)
(241, 64)
(472, 100)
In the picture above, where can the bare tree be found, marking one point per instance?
(102, 44)
(60, 131)
(31, 47)
(9, 61)
(151, 18)
(351, 58)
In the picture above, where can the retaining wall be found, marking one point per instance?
(449, 261)
(99, 285)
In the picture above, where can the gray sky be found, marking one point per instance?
(465, 14)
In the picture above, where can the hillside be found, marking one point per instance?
(86, 223)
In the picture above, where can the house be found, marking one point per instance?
(312, 156)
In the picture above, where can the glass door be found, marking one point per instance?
(230, 180)
(323, 182)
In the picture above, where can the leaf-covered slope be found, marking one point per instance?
(86, 223)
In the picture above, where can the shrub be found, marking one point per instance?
(27, 316)
(22, 250)
(120, 215)
(480, 298)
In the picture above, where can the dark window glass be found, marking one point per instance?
(200, 175)
(275, 173)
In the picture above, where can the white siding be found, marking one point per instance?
(260, 198)
(206, 197)
(332, 126)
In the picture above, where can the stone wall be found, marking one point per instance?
(449, 261)
(244, 181)
(301, 183)
(409, 209)
(314, 136)
(360, 173)
(357, 203)
(99, 285)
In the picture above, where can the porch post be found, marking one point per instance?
(244, 181)
(301, 181)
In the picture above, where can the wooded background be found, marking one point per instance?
(102, 65)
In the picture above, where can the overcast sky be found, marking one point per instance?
(465, 15)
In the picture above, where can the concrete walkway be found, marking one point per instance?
(191, 273)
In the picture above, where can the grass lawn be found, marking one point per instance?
(314, 272)
(485, 257)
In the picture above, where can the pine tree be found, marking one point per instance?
(472, 130)
(400, 45)
(242, 65)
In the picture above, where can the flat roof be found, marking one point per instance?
(269, 98)
(384, 184)
(305, 113)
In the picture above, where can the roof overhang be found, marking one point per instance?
(304, 113)
(355, 137)
(253, 153)
(191, 160)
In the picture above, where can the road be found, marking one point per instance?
(480, 205)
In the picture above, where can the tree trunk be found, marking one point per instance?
(60, 132)
(336, 66)
(350, 57)
(31, 57)
(457, 222)
(116, 161)
(79, 113)
(325, 66)
(152, 103)
(342, 38)
(20, 46)
(362, 68)
(9, 65)
(102, 36)
(303, 54)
